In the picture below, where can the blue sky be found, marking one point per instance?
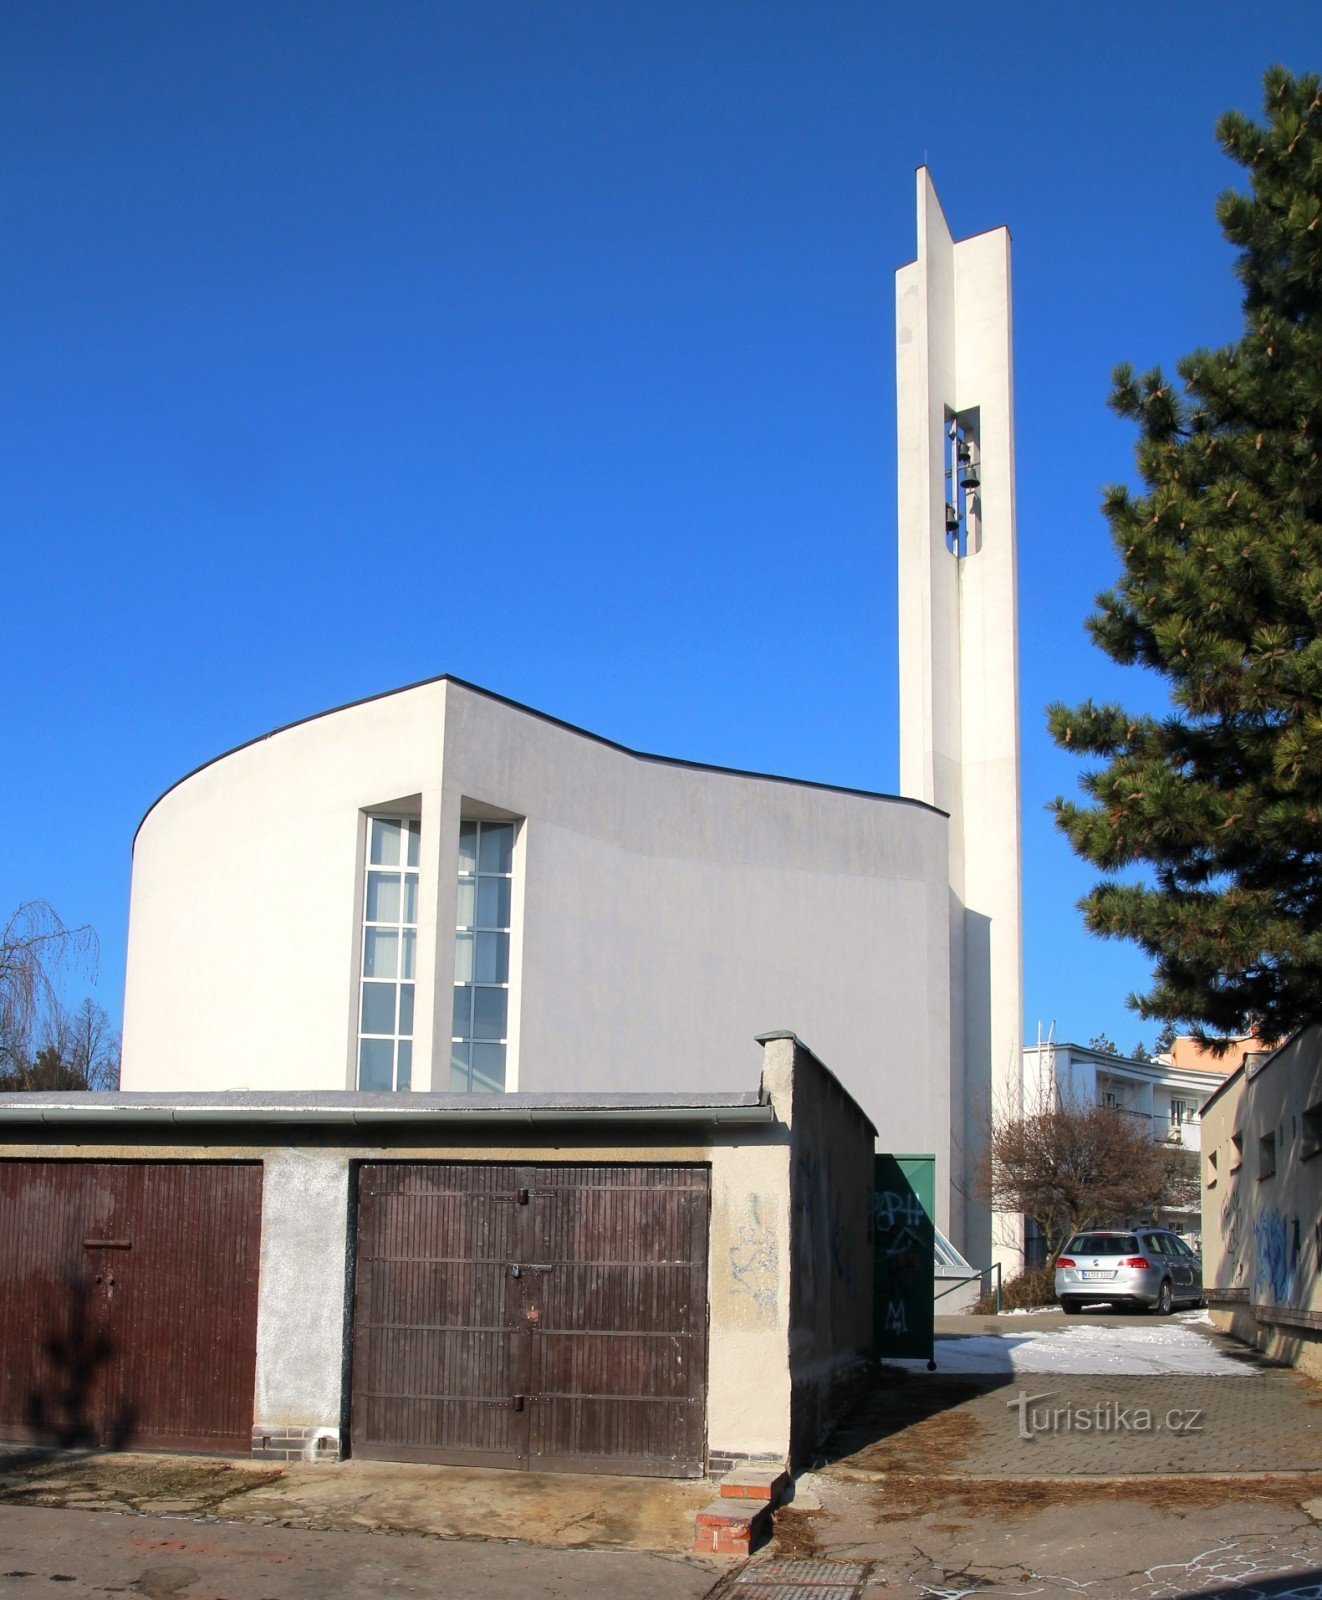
(550, 344)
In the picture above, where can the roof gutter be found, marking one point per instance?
(406, 1116)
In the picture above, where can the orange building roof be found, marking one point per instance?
(1187, 1054)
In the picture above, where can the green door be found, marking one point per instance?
(904, 1200)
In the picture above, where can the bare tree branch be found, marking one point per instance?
(36, 948)
(1069, 1167)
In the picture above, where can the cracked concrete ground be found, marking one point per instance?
(1104, 1550)
(560, 1509)
(87, 1555)
(210, 1528)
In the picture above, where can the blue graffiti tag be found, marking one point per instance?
(1276, 1251)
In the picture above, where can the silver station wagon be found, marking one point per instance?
(1147, 1267)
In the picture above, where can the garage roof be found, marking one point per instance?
(353, 1107)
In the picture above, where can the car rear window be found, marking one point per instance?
(1102, 1244)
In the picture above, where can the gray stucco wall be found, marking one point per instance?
(670, 914)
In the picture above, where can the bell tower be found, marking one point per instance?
(959, 665)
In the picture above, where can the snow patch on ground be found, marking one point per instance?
(1164, 1349)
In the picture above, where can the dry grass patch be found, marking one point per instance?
(902, 1496)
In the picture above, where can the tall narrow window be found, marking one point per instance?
(390, 936)
(482, 958)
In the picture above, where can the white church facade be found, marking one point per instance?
(439, 891)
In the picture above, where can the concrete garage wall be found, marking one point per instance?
(301, 1306)
(663, 914)
(1262, 1232)
(830, 1194)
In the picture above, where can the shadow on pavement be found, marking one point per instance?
(911, 1422)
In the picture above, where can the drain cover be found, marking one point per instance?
(798, 1591)
(800, 1580)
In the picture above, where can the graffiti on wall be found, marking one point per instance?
(902, 1224)
(1230, 1222)
(1276, 1258)
(823, 1229)
(755, 1262)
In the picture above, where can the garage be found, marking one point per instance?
(549, 1317)
(128, 1302)
(660, 1284)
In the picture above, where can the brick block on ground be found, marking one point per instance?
(765, 1481)
(729, 1528)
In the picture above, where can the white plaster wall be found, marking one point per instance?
(748, 1355)
(301, 1304)
(242, 953)
(665, 915)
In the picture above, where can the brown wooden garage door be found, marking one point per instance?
(549, 1317)
(128, 1302)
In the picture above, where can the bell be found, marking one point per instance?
(971, 479)
(952, 519)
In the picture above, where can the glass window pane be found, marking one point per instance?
(459, 1079)
(414, 842)
(408, 953)
(385, 842)
(462, 1025)
(380, 953)
(378, 1008)
(463, 916)
(405, 1011)
(489, 1013)
(463, 957)
(411, 898)
(488, 1069)
(496, 847)
(467, 848)
(493, 902)
(375, 1063)
(493, 958)
(404, 1068)
(383, 897)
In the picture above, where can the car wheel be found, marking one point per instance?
(1165, 1300)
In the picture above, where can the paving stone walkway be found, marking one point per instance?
(1090, 1425)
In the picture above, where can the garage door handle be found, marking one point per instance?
(107, 1244)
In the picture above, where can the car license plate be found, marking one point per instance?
(1088, 1274)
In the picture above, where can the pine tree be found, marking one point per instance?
(1221, 593)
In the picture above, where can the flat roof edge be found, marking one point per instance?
(346, 1108)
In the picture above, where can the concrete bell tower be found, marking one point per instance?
(959, 665)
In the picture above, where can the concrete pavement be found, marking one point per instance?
(87, 1555)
